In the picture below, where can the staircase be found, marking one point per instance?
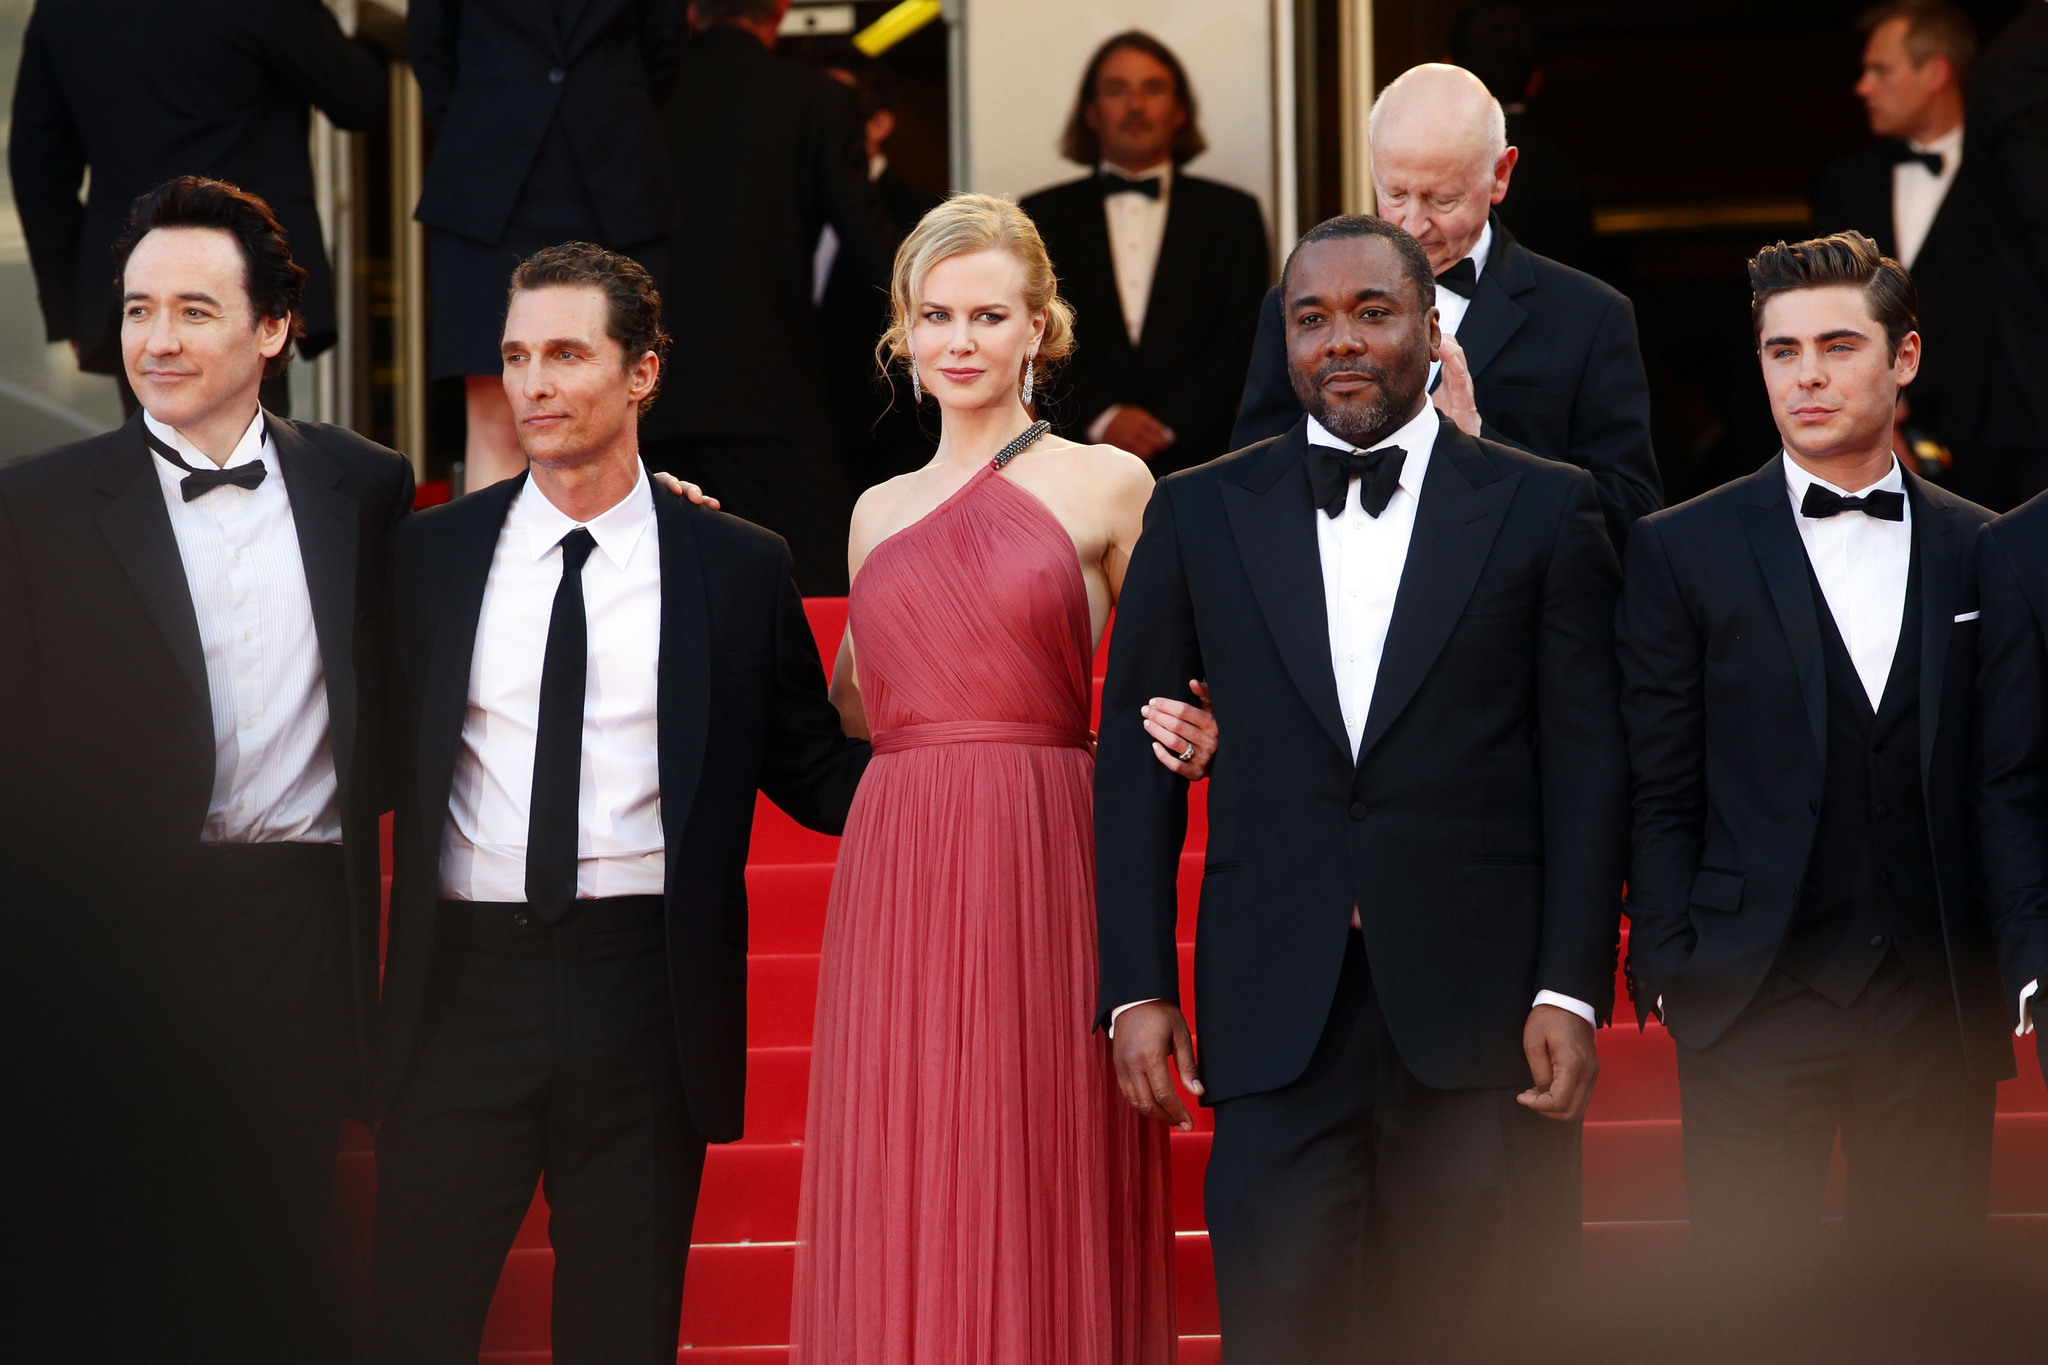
(736, 1300)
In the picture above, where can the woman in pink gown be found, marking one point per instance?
(976, 1191)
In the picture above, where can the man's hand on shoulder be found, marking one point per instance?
(684, 489)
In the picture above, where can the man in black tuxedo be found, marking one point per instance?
(192, 611)
(1798, 650)
(767, 153)
(1408, 923)
(1918, 192)
(1164, 269)
(595, 678)
(1536, 355)
(138, 92)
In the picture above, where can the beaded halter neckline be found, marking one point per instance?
(1022, 442)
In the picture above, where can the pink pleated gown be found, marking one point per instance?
(975, 1191)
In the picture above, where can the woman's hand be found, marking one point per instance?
(1184, 735)
(686, 490)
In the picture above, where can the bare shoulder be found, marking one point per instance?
(871, 509)
(1108, 472)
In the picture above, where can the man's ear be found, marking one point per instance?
(1503, 169)
(1907, 359)
(646, 371)
(272, 335)
(1436, 335)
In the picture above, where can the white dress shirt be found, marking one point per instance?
(618, 814)
(273, 768)
(1137, 225)
(1862, 564)
(1917, 192)
(1363, 558)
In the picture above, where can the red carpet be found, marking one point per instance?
(736, 1308)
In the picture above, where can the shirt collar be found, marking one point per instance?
(1164, 171)
(1481, 249)
(1949, 144)
(253, 446)
(1417, 437)
(877, 164)
(1797, 481)
(617, 529)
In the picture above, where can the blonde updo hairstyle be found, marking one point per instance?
(962, 225)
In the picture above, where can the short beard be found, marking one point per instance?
(1364, 423)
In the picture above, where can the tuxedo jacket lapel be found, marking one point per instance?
(325, 520)
(1936, 537)
(684, 687)
(1464, 500)
(1170, 277)
(1272, 515)
(1494, 317)
(138, 528)
(1774, 539)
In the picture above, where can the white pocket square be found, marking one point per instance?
(1968, 616)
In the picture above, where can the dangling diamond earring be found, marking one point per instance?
(916, 389)
(1029, 375)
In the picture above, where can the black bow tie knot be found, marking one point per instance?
(1330, 472)
(199, 482)
(1112, 183)
(1461, 279)
(1901, 154)
(1883, 504)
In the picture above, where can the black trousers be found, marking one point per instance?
(1358, 1214)
(547, 1053)
(797, 489)
(1762, 1107)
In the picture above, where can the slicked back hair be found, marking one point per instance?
(1934, 28)
(274, 280)
(632, 303)
(1363, 225)
(1846, 258)
(1082, 144)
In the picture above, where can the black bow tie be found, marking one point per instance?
(1901, 154)
(1112, 183)
(199, 482)
(1330, 472)
(1826, 502)
(1461, 279)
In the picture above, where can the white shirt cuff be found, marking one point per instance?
(1095, 432)
(1565, 1002)
(2026, 1014)
(1117, 1013)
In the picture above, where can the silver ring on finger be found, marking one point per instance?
(1187, 755)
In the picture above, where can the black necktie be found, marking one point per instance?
(1113, 183)
(199, 482)
(1330, 472)
(1461, 279)
(558, 742)
(1901, 154)
(1826, 502)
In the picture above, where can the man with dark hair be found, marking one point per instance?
(1408, 922)
(136, 92)
(767, 153)
(594, 678)
(191, 714)
(1918, 193)
(1535, 355)
(1798, 650)
(1164, 269)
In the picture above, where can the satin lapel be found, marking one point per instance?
(444, 697)
(325, 519)
(1273, 516)
(1941, 564)
(1774, 539)
(1494, 316)
(684, 687)
(138, 527)
(1464, 500)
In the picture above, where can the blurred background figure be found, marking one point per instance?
(134, 93)
(1165, 270)
(767, 153)
(1917, 193)
(543, 114)
(1547, 207)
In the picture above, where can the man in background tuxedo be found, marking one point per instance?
(595, 678)
(136, 92)
(1537, 356)
(1408, 923)
(1164, 269)
(1918, 193)
(192, 610)
(767, 153)
(1798, 651)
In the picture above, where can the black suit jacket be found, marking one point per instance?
(1724, 691)
(1481, 832)
(494, 74)
(141, 93)
(2009, 792)
(743, 707)
(1555, 367)
(106, 728)
(767, 152)
(1199, 319)
(2008, 122)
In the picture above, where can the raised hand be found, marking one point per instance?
(1184, 735)
(1455, 397)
